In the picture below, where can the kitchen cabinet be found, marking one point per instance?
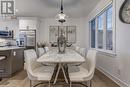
(17, 60)
(28, 23)
(5, 64)
(13, 62)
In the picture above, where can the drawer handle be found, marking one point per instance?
(2, 70)
(2, 57)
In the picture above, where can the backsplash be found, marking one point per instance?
(7, 42)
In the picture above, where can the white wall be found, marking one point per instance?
(78, 22)
(116, 67)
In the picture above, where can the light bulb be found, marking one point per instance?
(61, 16)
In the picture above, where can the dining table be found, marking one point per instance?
(54, 57)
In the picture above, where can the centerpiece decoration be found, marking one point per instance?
(61, 43)
(61, 40)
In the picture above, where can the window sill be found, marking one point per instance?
(107, 53)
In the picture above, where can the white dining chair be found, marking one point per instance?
(35, 70)
(46, 49)
(81, 74)
(82, 52)
(41, 51)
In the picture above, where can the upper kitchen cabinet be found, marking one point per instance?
(30, 23)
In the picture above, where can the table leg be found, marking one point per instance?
(64, 74)
(59, 67)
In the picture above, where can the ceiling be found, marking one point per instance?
(49, 8)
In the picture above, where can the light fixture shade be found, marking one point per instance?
(61, 17)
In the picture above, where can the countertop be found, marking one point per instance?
(10, 48)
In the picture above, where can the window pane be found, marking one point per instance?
(109, 32)
(93, 28)
(100, 31)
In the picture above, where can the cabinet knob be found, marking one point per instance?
(14, 53)
(2, 70)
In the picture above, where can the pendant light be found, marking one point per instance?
(61, 17)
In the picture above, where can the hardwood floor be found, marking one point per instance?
(21, 80)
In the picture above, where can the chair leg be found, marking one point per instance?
(49, 84)
(90, 83)
(0, 79)
(30, 83)
(70, 84)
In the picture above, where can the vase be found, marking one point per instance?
(61, 44)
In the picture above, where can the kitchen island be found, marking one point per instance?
(11, 60)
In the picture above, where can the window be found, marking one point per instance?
(109, 31)
(101, 30)
(93, 30)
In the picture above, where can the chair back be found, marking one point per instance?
(83, 52)
(46, 49)
(77, 48)
(41, 51)
(30, 62)
(91, 61)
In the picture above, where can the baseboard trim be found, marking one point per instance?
(113, 78)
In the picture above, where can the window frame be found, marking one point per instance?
(104, 10)
(91, 33)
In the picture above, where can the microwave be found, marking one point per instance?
(6, 34)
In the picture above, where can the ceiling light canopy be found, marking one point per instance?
(61, 17)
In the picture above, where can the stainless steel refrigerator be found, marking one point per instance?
(27, 38)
